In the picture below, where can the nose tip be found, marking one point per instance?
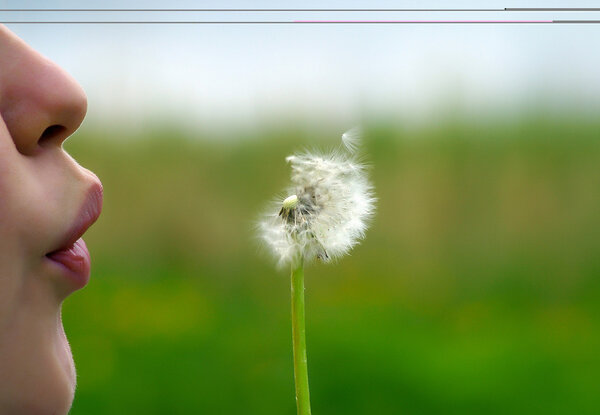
(41, 104)
(65, 110)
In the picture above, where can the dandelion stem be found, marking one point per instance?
(299, 338)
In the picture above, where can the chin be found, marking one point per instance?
(55, 407)
(37, 374)
(49, 394)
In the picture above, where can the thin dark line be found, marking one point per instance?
(293, 22)
(576, 21)
(424, 22)
(151, 22)
(147, 22)
(506, 9)
(552, 9)
(252, 10)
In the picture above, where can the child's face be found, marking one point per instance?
(46, 202)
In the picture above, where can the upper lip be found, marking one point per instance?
(88, 214)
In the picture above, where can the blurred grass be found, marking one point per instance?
(476, 290)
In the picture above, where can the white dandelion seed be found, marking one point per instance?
(327, 212)
(351, 139)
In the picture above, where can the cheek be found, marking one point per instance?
(10, 206)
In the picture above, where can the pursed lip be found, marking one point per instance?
(71, 252)
(89, 213)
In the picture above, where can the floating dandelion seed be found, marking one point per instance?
(328, 211)
(351, 139)
(324, 215)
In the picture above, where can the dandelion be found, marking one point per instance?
(325, 214)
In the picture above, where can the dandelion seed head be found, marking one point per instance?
(327, 213)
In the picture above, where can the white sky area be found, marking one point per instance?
(223, 75)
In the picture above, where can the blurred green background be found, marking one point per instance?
(476, 289)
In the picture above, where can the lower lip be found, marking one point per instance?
(75, 261)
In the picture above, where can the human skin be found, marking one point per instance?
(43, 193)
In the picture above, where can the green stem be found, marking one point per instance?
(299, 337)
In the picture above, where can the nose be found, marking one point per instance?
(40, 103)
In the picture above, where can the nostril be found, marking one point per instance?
(51, 134)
